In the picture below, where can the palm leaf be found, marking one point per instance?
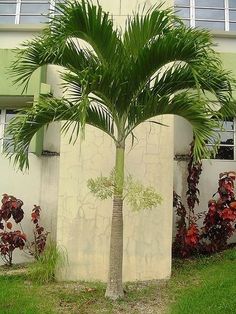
(26, 124)
(86, 21)
(185, 104)
(115, 83)
(143, 27)
(192, 47)
(45, 50)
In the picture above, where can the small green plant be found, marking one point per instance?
(102, 187)
(43, 270)
(136, 194)
(139, 196)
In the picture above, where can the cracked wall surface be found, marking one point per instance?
(84, 222)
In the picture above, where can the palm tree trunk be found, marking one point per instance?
(114, 286)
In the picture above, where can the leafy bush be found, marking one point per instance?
(11, 208)
(136, 194)
(10, 240)
(187, 236)
(37, 246)
(218, 223)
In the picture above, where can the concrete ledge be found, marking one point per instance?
(224, 34)
(22, 27)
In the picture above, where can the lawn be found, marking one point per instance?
(203, 285)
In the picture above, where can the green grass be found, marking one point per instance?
(18, 296)
(205, 285)
(44, 268)
(202, 286)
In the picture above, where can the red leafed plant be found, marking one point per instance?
(10, 240)
(192, 235)
(37, 246)
(187, 236)
(218, 225)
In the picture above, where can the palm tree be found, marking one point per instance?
(156, 66)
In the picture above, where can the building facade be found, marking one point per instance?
(57, 179)
(58, 174)
(219, 17)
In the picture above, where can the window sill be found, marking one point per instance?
(22, 27)
(218, 160)
(224, 34)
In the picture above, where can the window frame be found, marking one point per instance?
(3, 124)
(227, 145)
(18, 14)
(192, 14)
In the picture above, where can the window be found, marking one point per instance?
(211, 14)
(5, 116)
(25, 11)
(227, 148)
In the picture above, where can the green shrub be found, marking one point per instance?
(43, 270)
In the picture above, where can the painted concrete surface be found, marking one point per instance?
(38, 185)
(84, 222)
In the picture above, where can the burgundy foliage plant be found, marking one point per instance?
(11, 208)
(218, 223)
(187, 236)
(38, 244)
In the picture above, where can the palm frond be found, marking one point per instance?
(158, 67)
(193, 47)
(84, 20)
(144, 27)
(185, 104)
(44, 50)
(26, 124)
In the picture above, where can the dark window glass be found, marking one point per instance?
(36, 19)
(225, 152)
(232, 15)
(232, 3)
(9, 8)
(183, 12)
(227, 138)
(226, 148)
(186, 22)
(9, 115)
(210, 3)
(29, 1)
(232, 26)
(182, 2)
(34, 8)
(210, 25)
(210, 14)
(228, 125)
(7, 19)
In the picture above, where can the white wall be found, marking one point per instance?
(39, 185)
(225, 43)
(84, 222)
